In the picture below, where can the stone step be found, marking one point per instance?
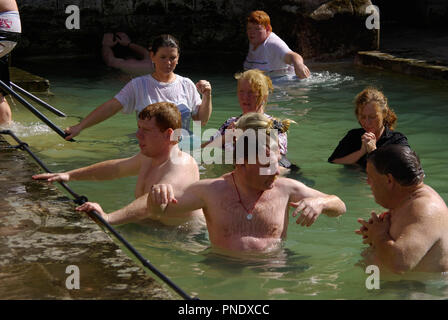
(407, 62)
(28, 81)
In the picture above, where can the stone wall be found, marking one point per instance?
(314, 28)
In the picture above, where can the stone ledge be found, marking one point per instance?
(28, 81)
(397, 63)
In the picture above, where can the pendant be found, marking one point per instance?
(249, 216)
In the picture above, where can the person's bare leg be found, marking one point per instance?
(5, 111)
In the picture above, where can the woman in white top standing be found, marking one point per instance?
(163, 85)
(269, 53)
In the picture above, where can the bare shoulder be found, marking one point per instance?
(183, 162)
(210, 187)
(297, 190)
(428, 204)
(288, 182)
(292, 185)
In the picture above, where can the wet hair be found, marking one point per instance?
(371, 94)
(167, 115)
(400, 161)
(258, 121)
(260, 17)
(259, 82)
(164, 41)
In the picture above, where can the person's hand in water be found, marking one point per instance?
(310, 209)
(302, 71)
(72, 131)
(92, 206)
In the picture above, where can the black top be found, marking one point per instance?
(352, 142)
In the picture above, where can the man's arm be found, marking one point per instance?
(124, 40)
(139, 50)
(106, 170)
(296, 60)
(312, 203)
(133, 212)
(162, 199)
(416, 237)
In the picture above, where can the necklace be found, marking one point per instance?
(249, 215)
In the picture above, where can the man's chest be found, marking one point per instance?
(265, 218)
(146, 178)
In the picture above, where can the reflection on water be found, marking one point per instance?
(277, 262)
(319, 262)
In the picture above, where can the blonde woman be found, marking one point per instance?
(377, 122)
(253, 93)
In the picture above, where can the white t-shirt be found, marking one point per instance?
(145, 90)
(269, 56)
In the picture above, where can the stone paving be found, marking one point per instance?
(410, 51)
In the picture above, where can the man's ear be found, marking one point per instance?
(169, 134)
(390, 180)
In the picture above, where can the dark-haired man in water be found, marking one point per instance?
(412, 235)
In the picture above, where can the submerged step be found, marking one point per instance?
(28, 81)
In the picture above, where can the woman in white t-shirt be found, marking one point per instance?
(163, 85)
(269, 53)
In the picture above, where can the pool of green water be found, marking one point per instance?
(319, 262)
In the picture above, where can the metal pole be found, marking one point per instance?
(34, 110)
(97, 217)
(36, 99)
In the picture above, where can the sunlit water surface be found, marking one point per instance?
(319, 262)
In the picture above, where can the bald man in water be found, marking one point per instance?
(412, 235)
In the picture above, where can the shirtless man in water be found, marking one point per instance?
(247, 209)
(159, 161)
(412, 235)
(132, 66)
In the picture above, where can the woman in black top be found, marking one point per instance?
(377, 121)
